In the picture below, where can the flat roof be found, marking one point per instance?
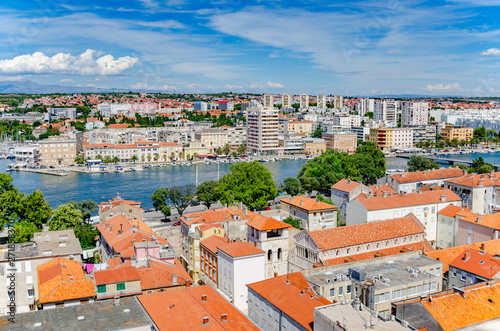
(100, 315)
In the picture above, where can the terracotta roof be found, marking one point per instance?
(478, 263)
(217, 216)
(431, 187)
(61, 280)
(123, 274)
(345, 185)
(295, 299)
(381, 189)
(451, 210)
(184, 309)
(205, 227)
(351, 235)
(411, 177)
(240, 248)
(406, 200)
(490, 221)
(423, 246)
(160, 274)
(476, 180)
(453, 311)
(213, 242)
(447, 255)
(308, 204)
(268, 224)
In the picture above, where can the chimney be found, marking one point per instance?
(479, 219)
(204, 297)
(206, 320)
(174, 279)
(443, 198)
(302, 202)
(385, 194)
(223, 317)
(111, 227)
(466, 256)
(419, 191)
(70, 277)
(403, 174)
(481, 182)
(378, 186)
(482, 247)
(116, 301)
(349, 181)
(291, 199)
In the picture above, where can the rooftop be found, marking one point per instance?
(345, 185)
(188, 307)
(217, 216)
(478, 263)
(477, 180)
(346, 236)
(118, 275)
(420, 176)
(57, 243)
(267, 224)
(407, 200)
(240, 248)
(292, 295)
(308, 204)
(452, 211)
(213, 242)
(100, 315)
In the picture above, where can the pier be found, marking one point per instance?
(443, 160)
(53, 172)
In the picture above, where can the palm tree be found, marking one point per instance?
(115, 160)
(134, 158)
(99, 157)
(172, 155)
(157, 156)
(107, 159)
(79, 159)
(241, 150)
(195, 156)
(188, 156)
(226, 149)
(181, 155)
(164, 156)
(218, 150)
(142, 159)
(149, 158)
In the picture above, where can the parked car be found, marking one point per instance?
(177, 223)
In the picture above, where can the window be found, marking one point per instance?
(469, 229)
(30, 293)
(269, 311)
(341, 291)
(418, 211)
(454, 273)
(101, 289)
(29, 280)
(463, 276)
(332, 292)
(120, 286)
(250, 296)
(397, 294)
(348, 289)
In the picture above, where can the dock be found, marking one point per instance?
(443, 160)
(53, 172)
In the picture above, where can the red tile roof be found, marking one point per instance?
(267, 224)
(431, 187)
(161, 274)
(452, 211)
(490, 221)
(478, 263)
(123, 274)
(62, 280)
(453, 311)
(213, 242)
(308, 204)
(351, 235)
(411, 177)
(240, 248)
(292, 295)
(345, 185)
(447, 255)
(184, 309)
(381, 189)
(406, 200)
(476, 180)
(217, 216)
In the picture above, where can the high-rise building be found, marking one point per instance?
(338, 101)
(262, 129)
(386, 110)
(321, 101)
(365, 105)
(304, 101)
(200, 106)
(415, 113)
(286, 101)
(268, 100)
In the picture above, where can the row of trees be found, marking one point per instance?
(30, 212)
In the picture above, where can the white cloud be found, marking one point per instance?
(454, 87)
(66, 80)
(275, 85)
(233, 87)
(491, 52)
(144, 86)
(83, 64)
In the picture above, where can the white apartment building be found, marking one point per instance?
(200, 106)
(236, 135)
(321, 101)
(415, 113)
(403, 137)
(365, 105)
(424, 205)
(347, 121)
(286, 101)
(338, 101)
(304, 101)
(386, 110)
(28, 154)
(212, 138)
(238, 264)
(58, 150)
(262, 129)
(268, 100)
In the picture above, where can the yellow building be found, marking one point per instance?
(315, 148)
(195, 147)
(382, 138)
(58, 150)
(299, 126)
(451, 132)
(342, 142)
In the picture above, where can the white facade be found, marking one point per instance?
(275, 244)
(403, 138)
(321, 101)
(386, 110)
(235, 272)
(28, 154)
(262, 129)
(415, 113)
(304, 101)
(286, 101)
(338, 101)
(268, 100)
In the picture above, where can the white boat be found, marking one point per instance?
(138, 168)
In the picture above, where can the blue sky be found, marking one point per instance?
(350, 47)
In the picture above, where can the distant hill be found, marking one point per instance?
(27, 86)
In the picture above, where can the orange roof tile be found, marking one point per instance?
(453, 311)
(406, 200)
(123, 274)
(184, 309)
(431, 187)
(308, 204)
(478, 263)
(217, 216)
(267, 224)
(240, 248)
(447, 255)
(292, 295)
(476, 180)
(490, 221)
(161, 274)
(213, 242)
(381, 189)
(61, 280)
(205, 227)
(411, 177)
(345, 185)
(346, 236)
(452, 210)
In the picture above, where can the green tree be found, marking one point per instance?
(369, 114)
(421, 163)
(226, 149)
(296, 223)
(79, 159)
(65, 217)
(377, 156)
(249, 183)
(34, 209)
(98, 157)
(318, 133)
(207, 193)
(181, 197)
(480, 133)
(107, 159)
(24, 231)
(292, 186)
(159, 200)
(309, 183)
(86, 207)
(134, 158)
(115, 159)
(241, 149)
(485, 168)
(86, 233)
